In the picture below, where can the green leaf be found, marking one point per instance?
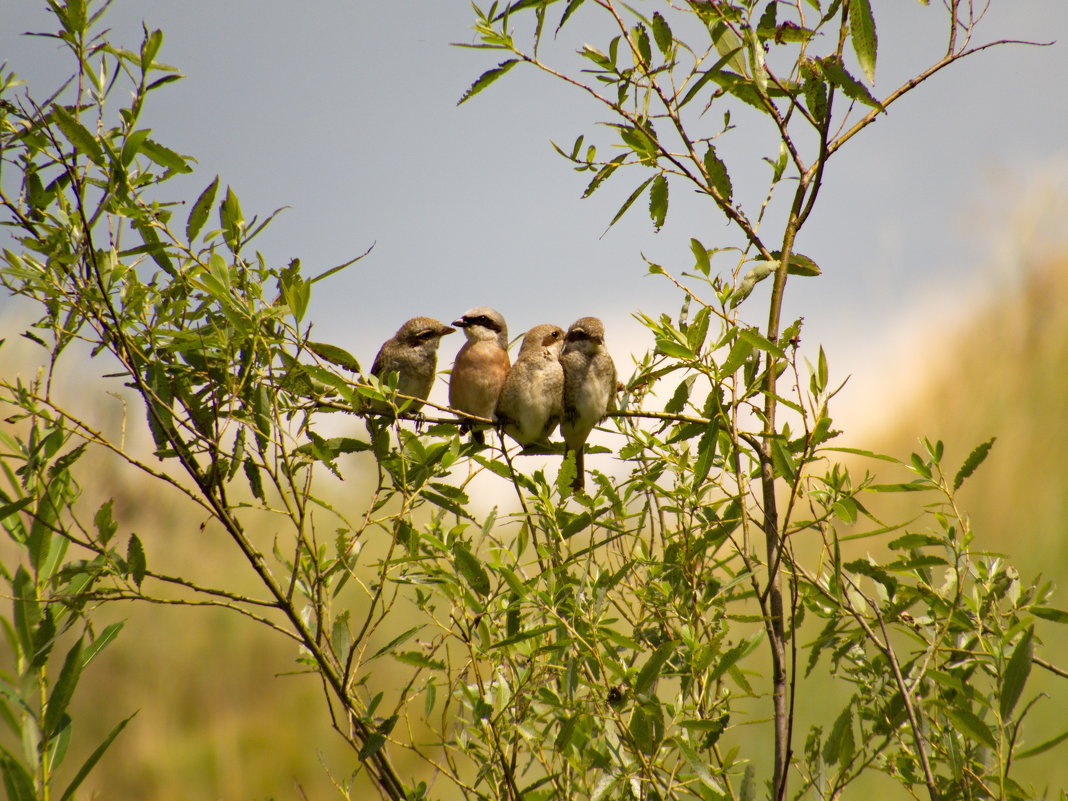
(700, 254)
(970, 725)
(101, 642)
(231, 220)
(17, 782)
(135, 559)
(975, 458)
(603, 174)
(164, 156)
(729, 46)
(630, 201)
(94, 757)
(335, 355)
(700, 768)
(1016, 673)
(1042, 747)
(731, 656)
(658, 201)
(198, 215)
(837, 74)
(1051, 614)
(862, 34)
(639, 39)
(718, 177)
(486, 78)
(105, 524)
(650, 672)
(760, 341)
(471, 569)
(419, 660)
(9, 509)
(61, 694)
(738, 354)
(662, 34)
(670, 347)
(840, 745)
(78, 135)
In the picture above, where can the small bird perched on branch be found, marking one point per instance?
(531, 401)
(589, 387)
(481, 366)
(412, 353)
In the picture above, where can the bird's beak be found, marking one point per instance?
(446, 330)
(461, 323)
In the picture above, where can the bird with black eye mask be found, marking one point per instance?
(481, 366)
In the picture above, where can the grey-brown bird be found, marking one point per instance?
(589, 387)
(481, 366)
(532, 398)
(412, 353)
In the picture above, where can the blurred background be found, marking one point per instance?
(942, 233)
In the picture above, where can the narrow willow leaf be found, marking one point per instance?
(417, 659)
(975, 458)
(334, 355)
(135, 559)
(700, 254)
(486, 78)
(970, 725)
(862, 34)
(198, 215)
(1042, 747)
(630, 201)
(1050, 613)
(105, 523)
(729, 46)
(94, 757)
(718, 177)
(17, 782)
(603, 174)
(650, 672)
(100, 642)
(658, 201)
(1016, 673)
(232, 220)
(165, 157)
(471, 569)
(699, 766)
(9, 509)
(78, 135)
(63, 691)
(840, 745)
(639, 39)
(837, 74)
(662, 34)
(571, 8)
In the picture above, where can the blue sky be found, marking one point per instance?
(347, 113)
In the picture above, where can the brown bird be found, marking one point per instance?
(589, 387)
(412, 354)
(481, 366)
(531, 401)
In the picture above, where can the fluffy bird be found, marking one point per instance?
(412, 353)
(531, 401)
(481, 366)
(589, 386)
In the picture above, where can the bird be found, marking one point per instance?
(589, 387)
(412, 353)
(481, 366)
(531, 401)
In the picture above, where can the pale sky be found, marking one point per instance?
(346, 112)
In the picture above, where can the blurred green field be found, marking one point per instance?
(222, 715)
